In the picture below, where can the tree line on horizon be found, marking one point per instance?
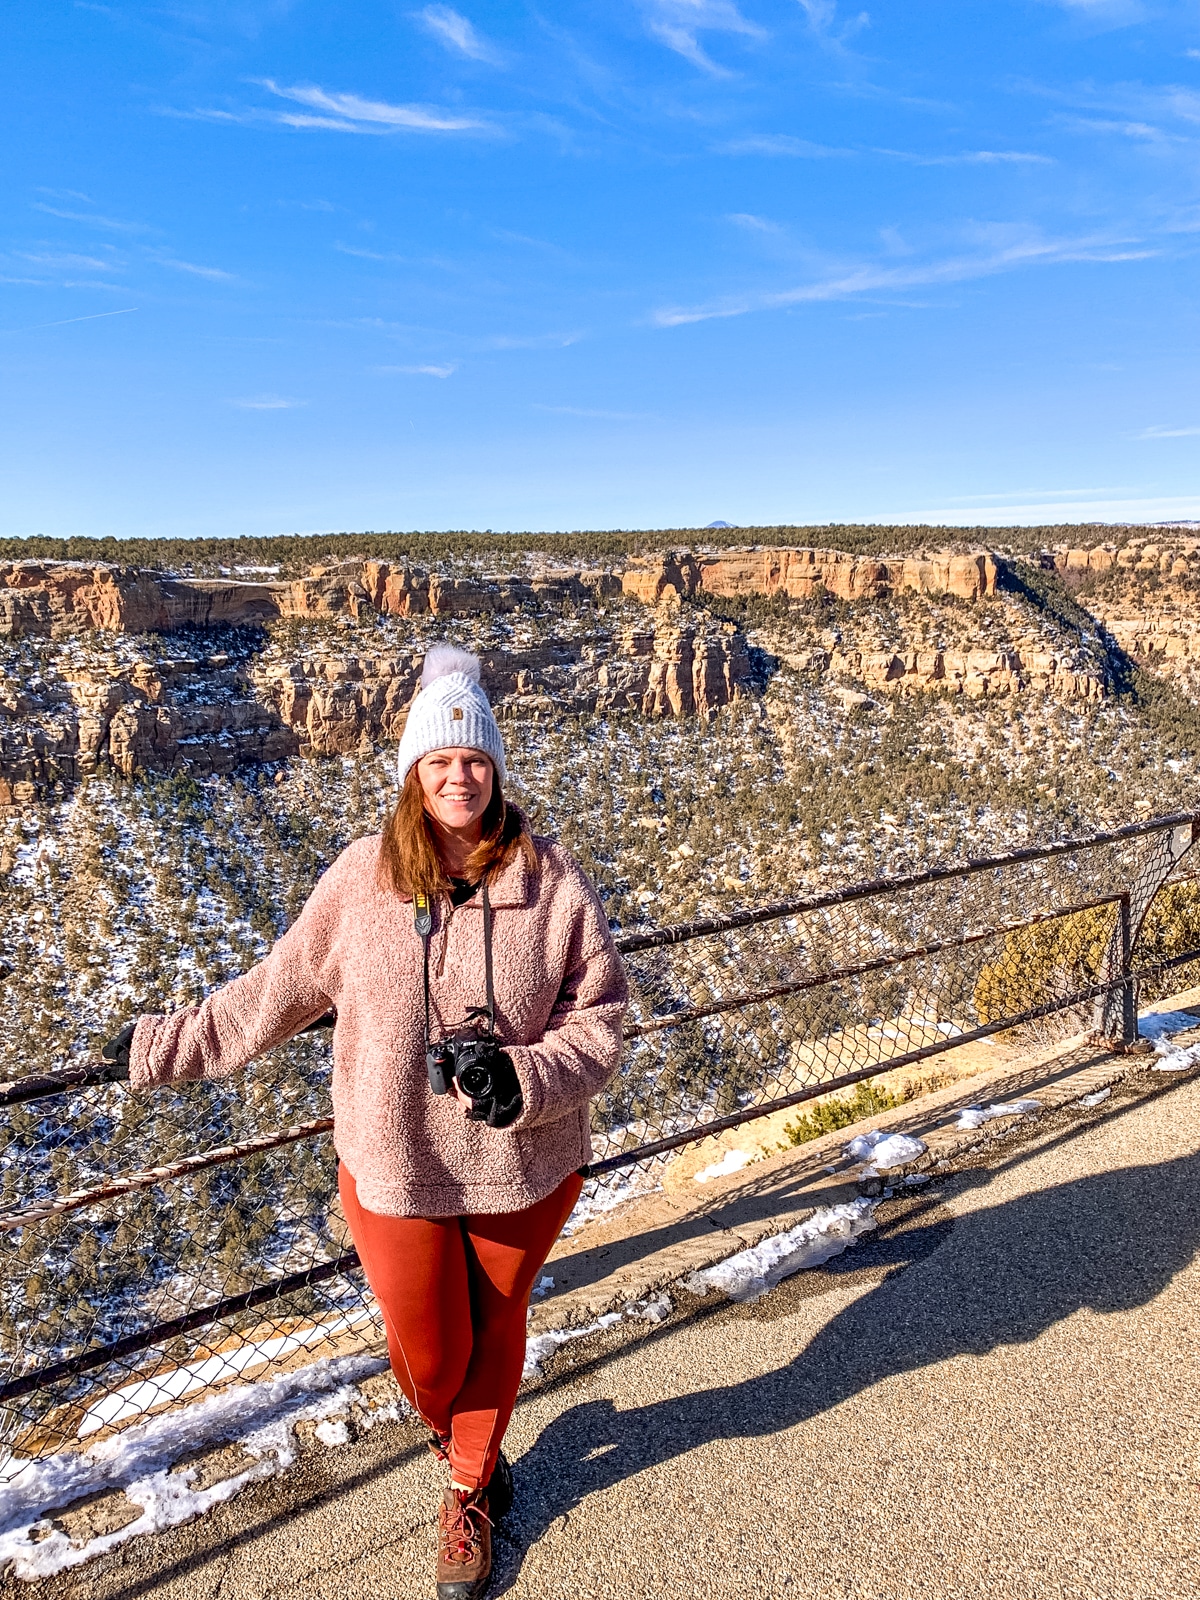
(294, 553)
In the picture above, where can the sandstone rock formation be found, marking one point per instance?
(340, 704)
(207, 714)
(801, 574)
(975, 673)
(1165, 559)
(48, 599)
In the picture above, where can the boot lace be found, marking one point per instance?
(461, 1530)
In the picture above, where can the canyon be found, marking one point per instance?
(215, 671)
(206, 713)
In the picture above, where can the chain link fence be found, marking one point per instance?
(156, 1247)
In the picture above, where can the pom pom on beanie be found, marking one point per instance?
(443, 659)
(450, 712)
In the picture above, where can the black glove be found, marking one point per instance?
(505, 1102)
(116, 1054)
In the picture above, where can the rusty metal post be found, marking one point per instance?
(1129, 1028)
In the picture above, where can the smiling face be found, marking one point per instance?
(457, 786)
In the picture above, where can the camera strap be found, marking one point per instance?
(487, 960)
(423, 923)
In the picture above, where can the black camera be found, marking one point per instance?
(470, 1058)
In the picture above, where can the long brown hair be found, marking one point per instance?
(409, 861)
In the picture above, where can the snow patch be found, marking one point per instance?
(333, 1431)
(975, 1116)
(1096, 1099)
(1172, 1059)
(883, 1149)
(542, 1346)
(731, 1161)
(151, 1393)
(656, 1310)
(1158, 1025)
(260, 1418)
(752, 1272)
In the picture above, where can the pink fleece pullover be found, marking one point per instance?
(560, 999)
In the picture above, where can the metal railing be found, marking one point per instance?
(159, 1246)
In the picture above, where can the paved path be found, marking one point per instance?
(996, 1395)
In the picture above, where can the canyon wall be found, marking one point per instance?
(802, 574)
(206, 715)
(978, 674)
(49, 599)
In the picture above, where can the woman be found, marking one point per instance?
(453, 1199)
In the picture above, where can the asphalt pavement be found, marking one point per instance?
(994, 1395)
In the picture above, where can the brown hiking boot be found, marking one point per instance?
(464, 1545)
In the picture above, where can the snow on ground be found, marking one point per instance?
(1160, 1026)
(1090, 1100)
(607, 1193)
(731, 1161)
(750, 1273)
(884, 1150)
(150, 1393)
(259, 1417)
(542, 1346)
(975, 1116)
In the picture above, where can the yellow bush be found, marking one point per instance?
(1042, 962)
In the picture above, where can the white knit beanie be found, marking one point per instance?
(450, 711)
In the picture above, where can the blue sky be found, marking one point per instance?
(302, 264)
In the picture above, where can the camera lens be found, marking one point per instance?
(476, 1081)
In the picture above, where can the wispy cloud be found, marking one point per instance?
(456, 32)
(753, 224)
(780, 144)
(829, 29)
(678, 24)
(429, 370)
(1112, 13)
(67, 261)
(1145, 510)
(1049, 494)
(208, 114)
(350, 113)
(532, 341)
(1022, 250)
(970, 158)
(266, 402)
(213, 274)
(783, 144)
(1169, 433)
(1165, 114)
(92, 219)
(366, 255)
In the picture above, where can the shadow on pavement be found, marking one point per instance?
(1109, 1242)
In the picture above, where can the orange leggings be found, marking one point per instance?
(453, 1292)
